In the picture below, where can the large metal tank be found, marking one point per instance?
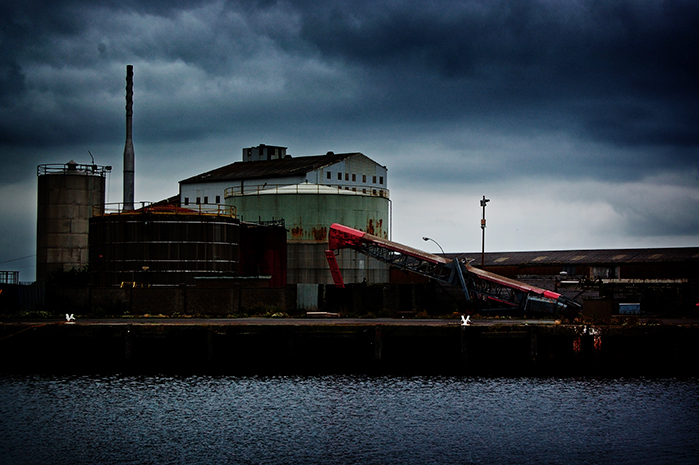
(163, 245)
(67, 195)
(308, 210)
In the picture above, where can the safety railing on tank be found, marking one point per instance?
(73, 168)
(261, 222)
(305, 188)
(150, 208)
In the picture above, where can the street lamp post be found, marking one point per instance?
(484, 201)
(430, 239)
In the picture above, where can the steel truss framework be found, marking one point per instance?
(481, 287)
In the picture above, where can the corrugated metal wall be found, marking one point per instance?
(156, 248)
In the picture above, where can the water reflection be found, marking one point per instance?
(347, 419)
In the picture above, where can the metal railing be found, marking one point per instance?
(150, 208)
(9, 277)
(73, 168)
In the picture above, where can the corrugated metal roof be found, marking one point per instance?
(288, 166)
(590, 257)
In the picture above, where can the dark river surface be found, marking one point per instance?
(347, 420)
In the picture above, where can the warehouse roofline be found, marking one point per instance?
(289, 166)
(585, 257)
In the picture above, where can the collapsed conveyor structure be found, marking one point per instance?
(482, 288)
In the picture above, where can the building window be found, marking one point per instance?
(364, 178)
(373, 192)
(328, 174)
(363, 191)
(381, 180)
(346, 176)
(339, 176)
(354, 189)
(186, 200)
(354, 177)
(198, 200)
(374, 180)
(206, 199)
(218, 199)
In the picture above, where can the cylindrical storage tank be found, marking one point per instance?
(149, 247)
(308, 210)
(67, 196)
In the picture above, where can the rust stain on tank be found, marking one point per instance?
(320, 234)
(375, 228)
(297, 232)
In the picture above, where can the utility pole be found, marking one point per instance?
(483, 202)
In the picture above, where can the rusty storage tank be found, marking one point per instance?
(67, 194)
(308, 210)
(163, 245)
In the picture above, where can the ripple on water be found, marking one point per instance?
(347, 419)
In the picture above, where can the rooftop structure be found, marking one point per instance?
(264, 152)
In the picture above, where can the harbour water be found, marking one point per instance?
(347, 420)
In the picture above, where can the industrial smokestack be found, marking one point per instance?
(128, 148)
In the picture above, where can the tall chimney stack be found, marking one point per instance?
(128, 148)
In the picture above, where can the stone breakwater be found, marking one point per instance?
(364, 346)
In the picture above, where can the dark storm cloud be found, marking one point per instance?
(624, 72)
(70, 49)
(620, 72)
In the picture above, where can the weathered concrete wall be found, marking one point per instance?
(344, 348)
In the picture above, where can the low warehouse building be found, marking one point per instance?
(655, 280)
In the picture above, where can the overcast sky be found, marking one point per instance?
(578, 119)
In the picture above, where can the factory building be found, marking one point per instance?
(308, 194)
(66, 197)
(267, 166)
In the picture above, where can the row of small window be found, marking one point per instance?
(354, 177)
(206, 200)
(364, 191)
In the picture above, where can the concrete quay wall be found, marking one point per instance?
(447, 348)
